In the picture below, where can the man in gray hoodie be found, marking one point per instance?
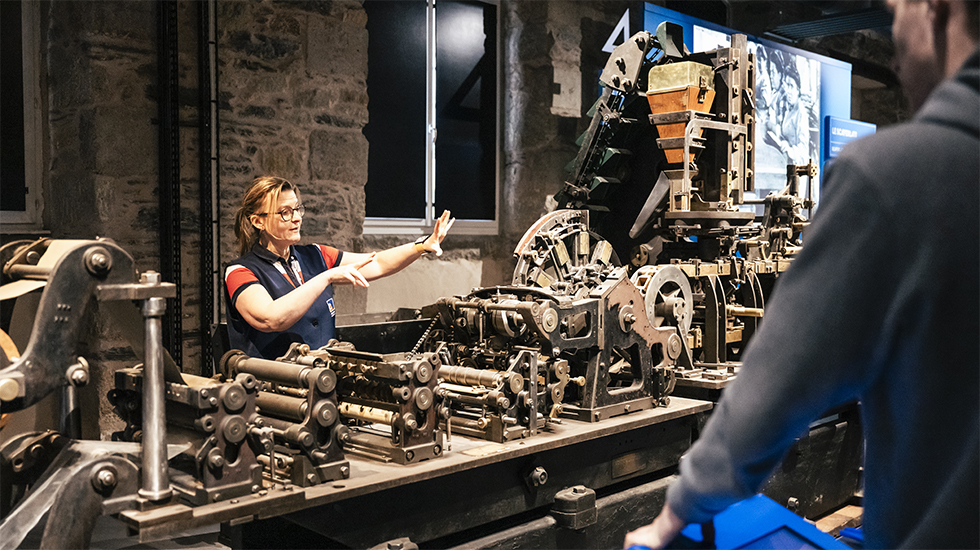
(882, 305)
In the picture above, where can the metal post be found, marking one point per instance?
(71, 420)
(156, 483)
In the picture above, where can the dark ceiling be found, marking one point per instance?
(836, 17)
(790, 20)
(794, 22)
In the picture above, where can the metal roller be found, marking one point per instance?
(424, 369)
(481, 377)
(325, 413)
(295, 434)
(739, 311)
(21, 271)
(423, 398)
(282, 406)
(277, 371)
(477, 424)
(492, 398)
(367, 414)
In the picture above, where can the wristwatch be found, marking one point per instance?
(419, 244)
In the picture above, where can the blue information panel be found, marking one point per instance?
(840, 131)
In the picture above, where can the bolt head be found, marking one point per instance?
(104, 480)
(98, 262)
(107, 478)
(79, 377)
(9, 389)
(216, 461)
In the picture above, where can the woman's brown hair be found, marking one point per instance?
(253, 202)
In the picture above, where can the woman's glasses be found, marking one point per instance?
(287, 213)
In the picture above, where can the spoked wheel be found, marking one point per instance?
(667, 294)
(559, 250)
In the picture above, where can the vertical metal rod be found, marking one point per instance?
(156, 482)
(169, 174)
(71, 420)
(218, 276)
(430, 112)
(205, 217)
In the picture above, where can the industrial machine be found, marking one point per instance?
(520, 394)
(80, 479)
(388, 400)
(663, 170)
(587, 354)
(502, 364)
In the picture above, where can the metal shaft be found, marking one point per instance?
(282, 372)
(71, 419)
(367, 414)
(282, 406)
(21, 271)
(156, 482)
(471, 376)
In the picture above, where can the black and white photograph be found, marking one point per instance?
(787, 92)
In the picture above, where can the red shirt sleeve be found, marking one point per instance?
(237, 277)
(330, 255)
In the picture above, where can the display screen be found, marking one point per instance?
(795, 91)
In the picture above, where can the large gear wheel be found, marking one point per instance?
(560, 249)
(667, 294)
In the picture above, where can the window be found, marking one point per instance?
(432, 128)
(20, 111)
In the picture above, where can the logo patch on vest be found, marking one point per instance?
(333, 312)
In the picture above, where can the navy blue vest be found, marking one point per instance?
(279, 277)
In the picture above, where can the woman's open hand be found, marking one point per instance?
(350, 273)
(434, 242)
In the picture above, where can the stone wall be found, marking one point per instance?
(102, 176)
(293, 90)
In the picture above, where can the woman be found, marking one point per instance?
(279, 291)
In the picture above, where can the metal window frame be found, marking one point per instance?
(30, 220)
(422, 226)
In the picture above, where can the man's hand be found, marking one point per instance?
(658, 534)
